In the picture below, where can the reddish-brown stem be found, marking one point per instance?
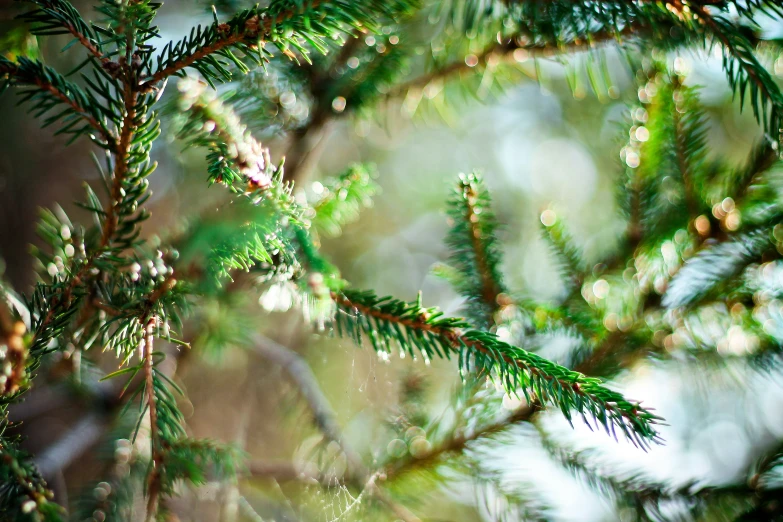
(254, 30)
(95, 124)
(490, 289)
(503, 50)
(456, 340)
(91, 47)
(120, 166)
(12, 71)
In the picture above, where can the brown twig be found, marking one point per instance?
(13, 71)
(457, 340)
(506, 49)
(86, 42)
(255, 29)
(490, 288)
(120, 166)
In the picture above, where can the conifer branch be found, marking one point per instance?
(474, 250)
(236, 158)
(745, 72)
(462, 440)
(386, 321)
(714, 266)
(283, 23)
(53, 89)
(23, 489)
(121, 167)
(61, 17)
(494, 52)
(683, 141)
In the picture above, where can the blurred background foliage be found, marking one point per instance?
(547, 134)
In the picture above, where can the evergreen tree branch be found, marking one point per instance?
(461, 440)
(762, 158)
(684, 142)
(283, 22)
(505, 50)
(236, 158)
(714, 265)
(22, 489)
(746, 74)
(121, 167)
(52, 89)
(342, 199)
(386, 321)
(474, 250)
(61, 17)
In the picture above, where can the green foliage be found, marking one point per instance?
(668, 25)
(388, 322)
(53, 17)
(568, 254)
(475, 253)
(191, 459)
(49, 93)
(286, 24)
(22, 490)
(715, 266)
(341, 199)
(696, 228)
(672, 159)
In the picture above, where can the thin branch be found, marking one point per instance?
(154, 479)
(13, 72)
(254, 30)
(490, 288)
(88, 44)
(457, 339)
(300, 373)
(506, 49)
(121, 166)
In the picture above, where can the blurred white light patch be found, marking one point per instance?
(564, 172)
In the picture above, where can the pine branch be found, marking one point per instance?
(474, 249)
(518, 46)
(236, 158)
(22, 490)
(284, 23)
(634, 490)
(714, 266)
(568, 254)
(341, 199)
(746, 74)
(52, 17)
(671, 161)
(387, 321)
(762, 158)
(48, 90)
(121, 168)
